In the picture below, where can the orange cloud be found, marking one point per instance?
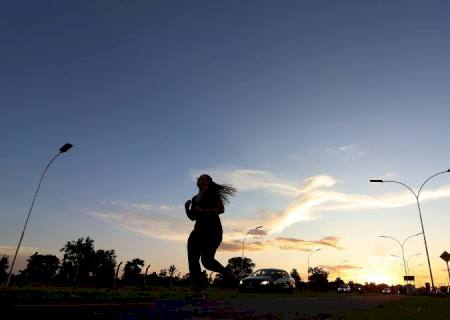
(340, 267)
(304, 245)
(280, 243)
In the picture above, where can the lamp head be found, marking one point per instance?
(65, 147)
(376, 180)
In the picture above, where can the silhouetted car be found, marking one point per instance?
(437, 292)
(358, 289)
(386, 291)
(268, 280)
(344, 288)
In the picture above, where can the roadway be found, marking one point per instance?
(289, 307)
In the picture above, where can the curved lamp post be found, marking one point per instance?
(416, 196)
(146, 272)
(414, 268)
(342, 263)
(243, 247)
(117, 274)
(402, 245)
(407, 261)
(402, 264)
(61, 150)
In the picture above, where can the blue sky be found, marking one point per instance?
(151, 93)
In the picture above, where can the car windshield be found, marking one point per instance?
(263, 273)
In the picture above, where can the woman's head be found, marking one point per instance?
(203, 181)
(224, 191)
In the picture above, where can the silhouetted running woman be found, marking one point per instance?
(204, 209)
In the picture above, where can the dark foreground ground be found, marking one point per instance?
(237, 306)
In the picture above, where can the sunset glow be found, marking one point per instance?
(296, 105)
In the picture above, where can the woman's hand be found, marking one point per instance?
(187, 205)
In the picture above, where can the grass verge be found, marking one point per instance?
(411, 308)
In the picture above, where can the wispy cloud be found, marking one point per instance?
(157, 221)
(340, 267)
(305, 245)
(236, 246)
(389, 175)
(247, 179)
(305, 200)
(315, 195)
(350, 151)
(282, 243)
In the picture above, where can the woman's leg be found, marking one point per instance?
(194, 252)
(210, 245)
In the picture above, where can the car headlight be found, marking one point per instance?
(241, 282)
(264, 283)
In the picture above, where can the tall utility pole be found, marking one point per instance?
(61, 150)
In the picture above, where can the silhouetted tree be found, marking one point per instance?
(104, 268)
(333, 285)
(162, 273)
(4, 265)
(318, 279)
(78, 260)
(296, 276)
(41, 268)
(370, 287)
(132, 271)
(239, 269)
(185, 280)
(235, 267)
(171, 271)
(152, 279)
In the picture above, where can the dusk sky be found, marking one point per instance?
(296, 103)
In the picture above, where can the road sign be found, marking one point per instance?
(445, 256)
(408, 278)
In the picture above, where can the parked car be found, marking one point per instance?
(386, 291)
(358, 289)
(437, 292)
(344, 289)
(268, 280)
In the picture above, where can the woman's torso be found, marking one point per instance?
(207, 221)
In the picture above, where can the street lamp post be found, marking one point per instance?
(413, 269)
(117, 274)
(396, 256)
(61, 150)
(402, 246)
(243, 248)
(416, 196)
(145, 276)
(407, 261)
(309, 256)
(339, 271)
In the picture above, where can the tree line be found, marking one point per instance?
(84, 265)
